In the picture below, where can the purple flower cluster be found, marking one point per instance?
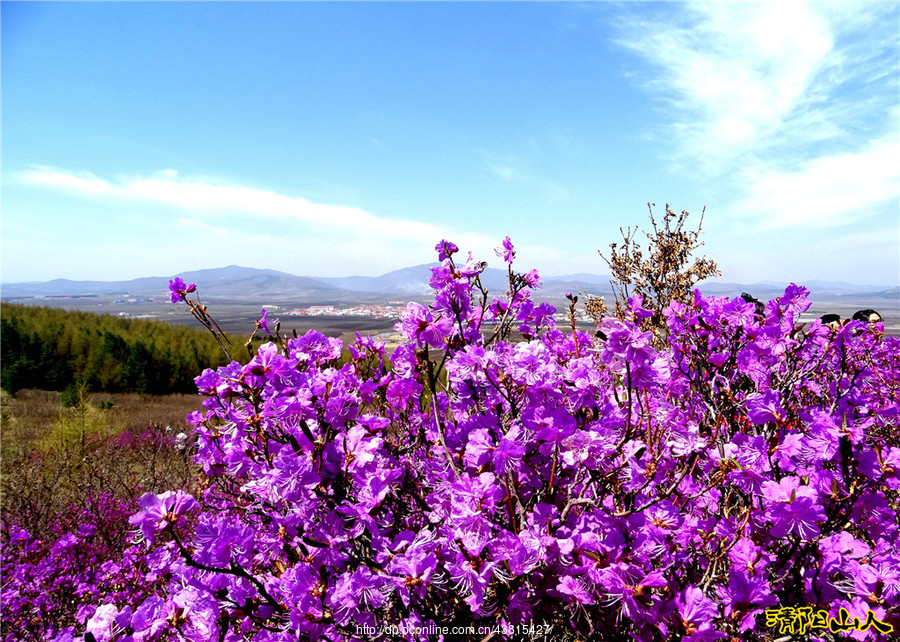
(52, 587)
(179, 290)
(597, 486)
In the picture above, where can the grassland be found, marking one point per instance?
(124, 444)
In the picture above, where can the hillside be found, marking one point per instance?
(53, 349)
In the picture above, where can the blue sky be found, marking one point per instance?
(333, 139)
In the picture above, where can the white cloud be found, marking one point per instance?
(266, 226)
(862, 255)
(751, 80)
(512, 168)
(735, 72)
(787, 113)
(507, 167)
(824, 192)
(217, 199)
(506, 172)
(82, 182)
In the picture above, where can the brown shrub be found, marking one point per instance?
(53, 455)
(666, 271)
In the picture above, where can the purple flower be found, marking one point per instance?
(663, 515)
(338, 494)
(358, 448)
(553, 427)
(268, 363)
(480, 448)
(764, 407)
(412, 572)
(507, 453)
(838, 548)
(150, 616)
(793, 508)
(794, 300)
(103, 623)
(445, 249)
(745, 598)
(304, 589)
(696, 612)
(519, 606)
(361, 589)
(890, 467)
(471, 575)
(179, 290)
(419, 324)
(575, 589)
(263, 323)
(472, 268)
(635, 305)
(157, 511)
(626, 593)
(748, 556)
(508, 253)
(401, 390)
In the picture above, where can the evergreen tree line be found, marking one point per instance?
(53, 349)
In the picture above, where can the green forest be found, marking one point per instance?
(54, 349)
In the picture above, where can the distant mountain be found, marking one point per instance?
(62, 287)
(235, 280)
(840, 288)
(762, 290)
(767, 289)
(411, 280)
(253, 284)
(227, 281)
(414, 281)
(890, 293)
(584, 277)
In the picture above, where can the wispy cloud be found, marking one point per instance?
(219, 198)
(79, 182)
(335, 237)
(512, 168)
(828, 191)
(506, 172)
(790, 106)
(741, 80)
(506, 167)
(862, 255)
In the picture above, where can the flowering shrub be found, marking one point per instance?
(52, 585)
(570, 484)
(67, 545)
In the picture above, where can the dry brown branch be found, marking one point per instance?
(663, 272)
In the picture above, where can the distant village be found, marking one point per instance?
(390, 310)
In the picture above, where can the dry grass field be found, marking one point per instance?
(28, 417)
(123, 444)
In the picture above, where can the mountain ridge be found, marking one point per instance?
(239, 281)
